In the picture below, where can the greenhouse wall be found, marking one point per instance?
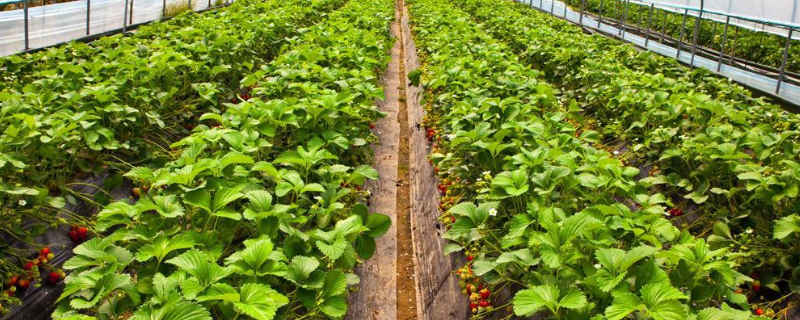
(58, 23)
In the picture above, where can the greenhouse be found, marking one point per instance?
(399, 159)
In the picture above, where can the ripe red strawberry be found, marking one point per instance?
(436, 169)
(473, 305)
(13, 281)
(484, 303)
(53, 277)
(469, 258)
(759, 311)
(28, 266)
(372, 126)
(452, 219)
(74, 236)
(485, 293)
(24, 284)
(45, 251)
(42, 259)
(82, 233)
(685, 116)
(246, 96)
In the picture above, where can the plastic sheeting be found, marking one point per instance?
(773, 16)
(57, 23)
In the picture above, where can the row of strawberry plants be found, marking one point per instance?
(127, 88)
(759, 47)
(190, 71)
(740, 166)
(539, 210)
(258, 215)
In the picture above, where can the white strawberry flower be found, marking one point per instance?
(22, 202)
(492, 212)
(597, 266)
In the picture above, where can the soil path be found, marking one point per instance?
(376, 296)
(409, 278)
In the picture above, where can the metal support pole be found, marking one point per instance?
(580, 20)
(783, 64)
(552, 6)
(163, 9)
(722, 46)
(125, 18)
(541, 4)
(663, 28)
(88, 15)
(696, 33)
(600, 18)
(190, 5)
(733, 50)
(625, 19)
(638, 19)
(619, 18)
(713, 30)
(131, 13)
(683, 28)
(649, 25)
(27, 35)
(565, 10)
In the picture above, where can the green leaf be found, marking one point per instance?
(414, 77)
(335, 284)
(623, 305)
(254, 260)
(220, 292)
(300, 268)
(332, 250)
(162, 245)
(378, 224)
(334, 307)
(529, 301)
(360, 174)
(260, 301)
(786, 226)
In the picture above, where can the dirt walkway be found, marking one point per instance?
(376, 298)
(409, 278)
